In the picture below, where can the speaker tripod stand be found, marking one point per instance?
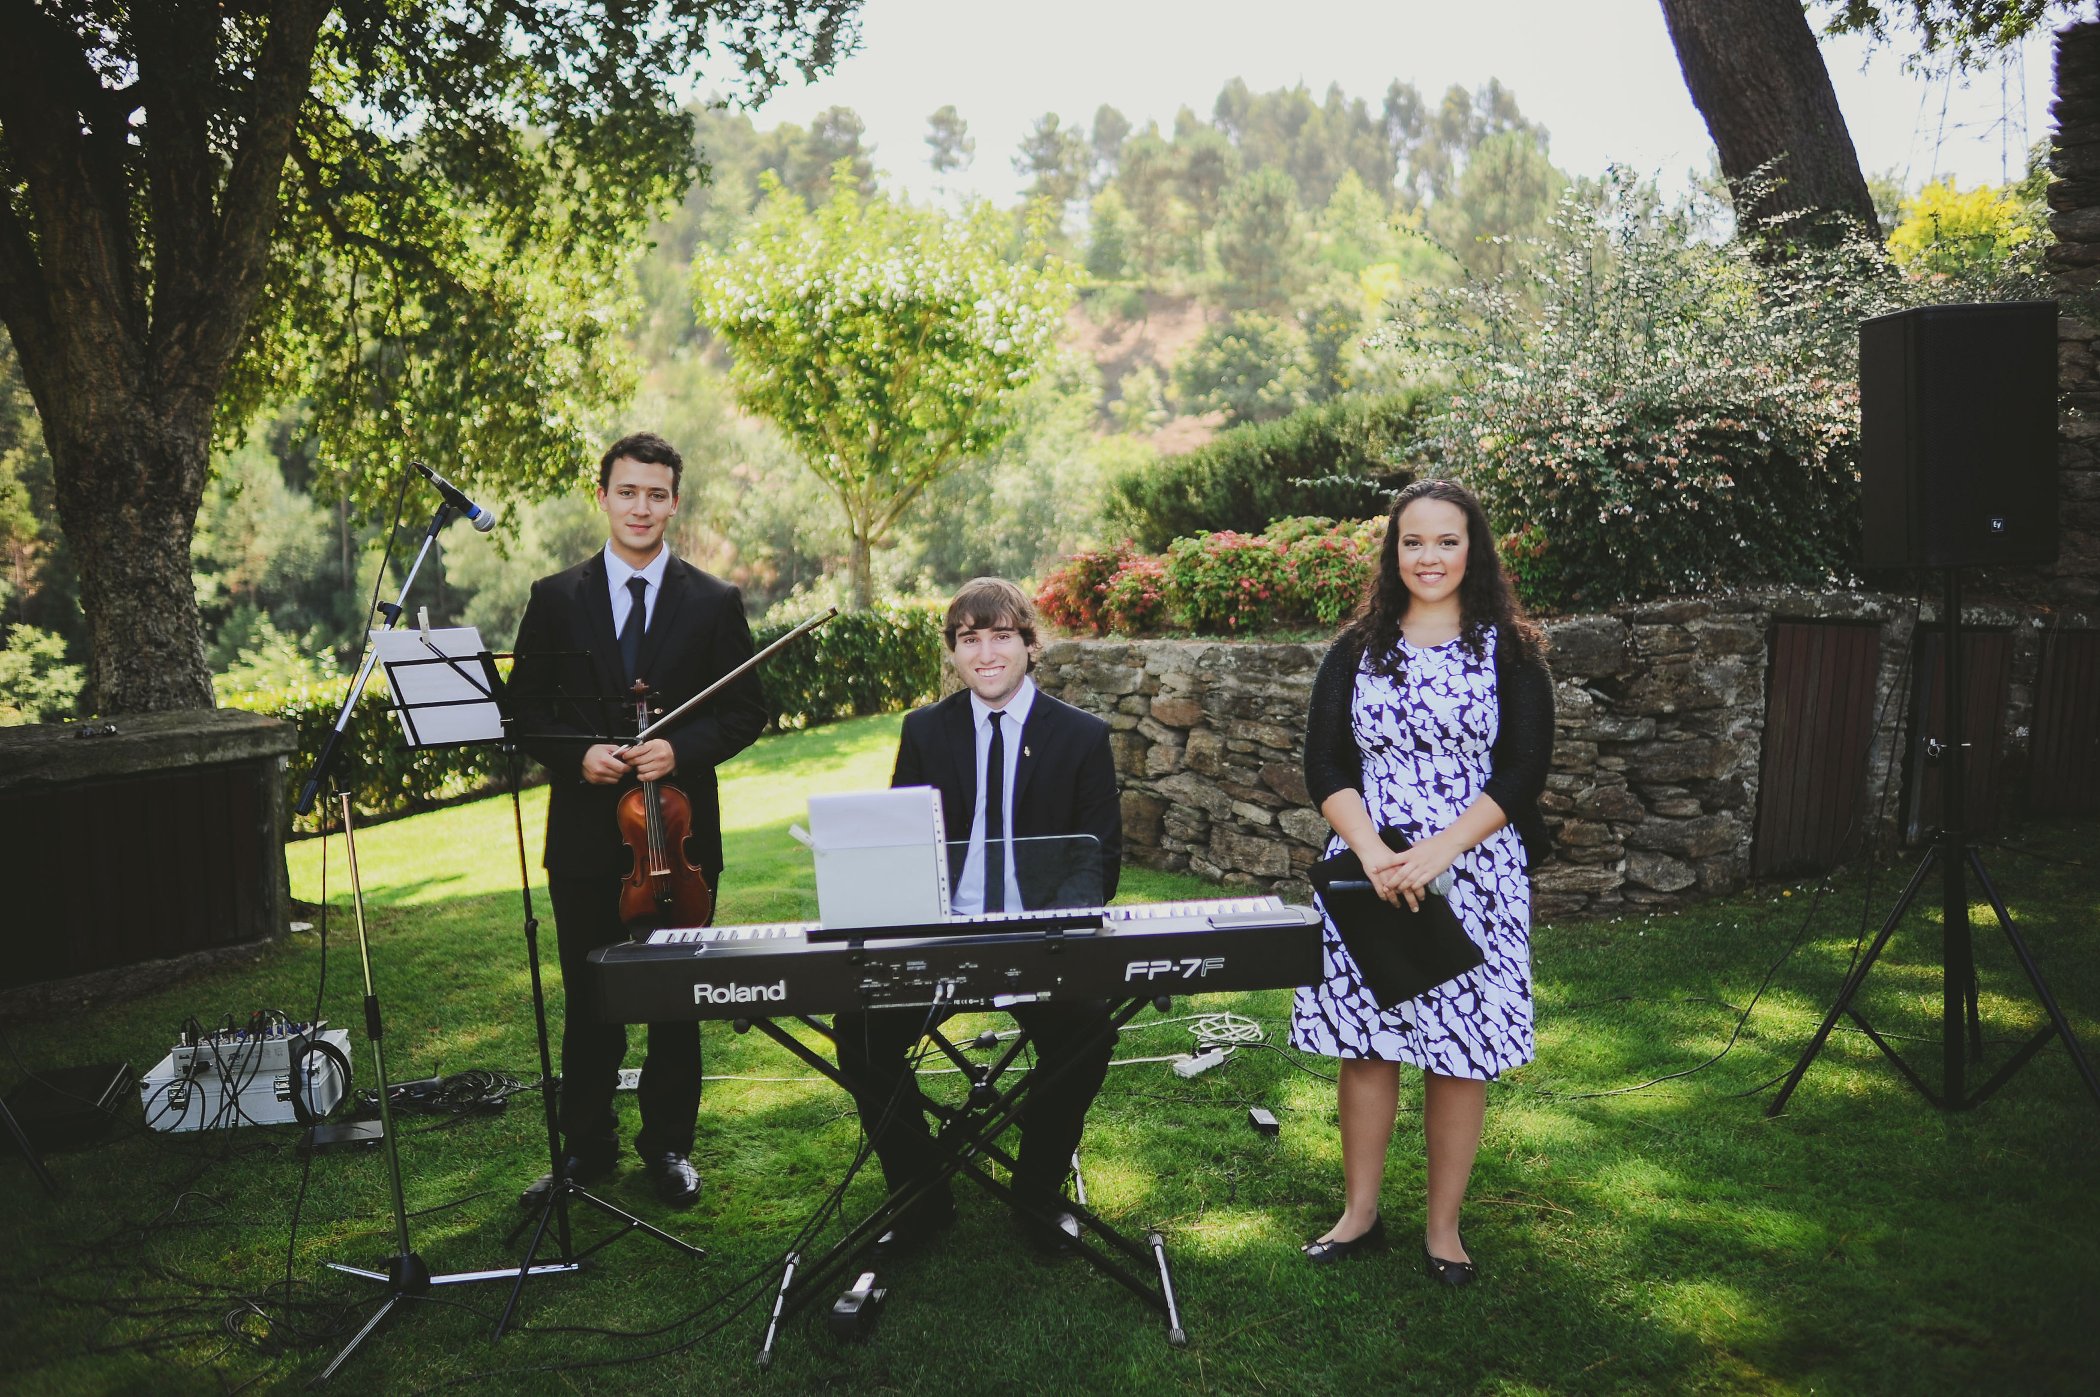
(1954, 858)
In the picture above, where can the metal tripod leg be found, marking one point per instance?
(2059, 1026)
(1854, 981)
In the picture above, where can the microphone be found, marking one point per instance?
(482, 519)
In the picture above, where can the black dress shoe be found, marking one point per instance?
(1327, 1252)
(584, 1172)
(677, 1182)
(913, 1230)
(1454, 1274)
(1055, 1236)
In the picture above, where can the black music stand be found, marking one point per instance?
(1951, 852)
(553, 1209)
(456, 684)
(594, 716)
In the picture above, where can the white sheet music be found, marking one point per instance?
(415, 685)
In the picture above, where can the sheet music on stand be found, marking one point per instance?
(442, 685)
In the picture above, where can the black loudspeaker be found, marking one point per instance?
(1957, 436)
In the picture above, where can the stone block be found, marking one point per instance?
(1205, 752)
(1574, 834)
(1691, 758)
(1611, 803)
(1157, 732)
(1142, 817)
(1177, 711)
(1653, 641)
(1730, 636)
(1587, 647)
(1185, 788)
(1252, 814)
(1161, 759)
(1184, 827)
(1568, 878)
(1679, 683)
(1287, 779)
(1274, 736)
(1677, 807)
(1262, 855)
(1689, 839)
(1669, 613)
(1308, 827)
(1659, 871)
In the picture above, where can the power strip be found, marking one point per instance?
(1199, 1063)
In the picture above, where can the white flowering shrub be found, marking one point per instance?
(884, 340)
(1644, 410)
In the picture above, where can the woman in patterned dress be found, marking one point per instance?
(1433, 711)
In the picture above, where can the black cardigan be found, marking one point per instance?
(1516, 766)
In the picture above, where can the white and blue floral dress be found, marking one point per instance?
(1425, 741)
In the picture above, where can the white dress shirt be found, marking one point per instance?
(969, 891)
(616, 574)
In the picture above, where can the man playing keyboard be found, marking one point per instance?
(1016, 764)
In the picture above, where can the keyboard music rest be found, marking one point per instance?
(769, 970)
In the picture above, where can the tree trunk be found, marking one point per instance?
(129, 486)
(133, 250)
(1756, 75)
(860, 570)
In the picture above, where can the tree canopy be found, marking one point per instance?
(883, 340)
(409, 210)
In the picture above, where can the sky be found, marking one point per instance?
(1598, 74)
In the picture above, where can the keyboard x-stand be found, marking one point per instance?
(1126, 955)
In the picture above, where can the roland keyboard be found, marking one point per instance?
(990, 961)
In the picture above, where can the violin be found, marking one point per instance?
(664, 887)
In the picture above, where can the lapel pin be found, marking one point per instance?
(1025, 752)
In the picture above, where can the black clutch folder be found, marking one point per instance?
(1400, 952)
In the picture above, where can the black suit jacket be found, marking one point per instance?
(1064, 783)
(697, 635)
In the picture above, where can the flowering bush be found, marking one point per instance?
(1648, 410)
(1330, 570)
(1135, 599)
(1226, 582)
(1072, 597)
(1302, 572)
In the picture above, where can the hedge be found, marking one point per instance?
(1342, 459)
(856, 663)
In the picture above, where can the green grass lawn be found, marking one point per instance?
(1663, 1239)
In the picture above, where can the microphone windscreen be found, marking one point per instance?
(485, 521)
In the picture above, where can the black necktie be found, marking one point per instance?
(995, 821)
(637, 619)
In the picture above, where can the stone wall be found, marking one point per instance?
(1652, 797)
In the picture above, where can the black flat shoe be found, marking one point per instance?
(1452, 1274)
(1326, 1253)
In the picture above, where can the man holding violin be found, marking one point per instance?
(630, 613)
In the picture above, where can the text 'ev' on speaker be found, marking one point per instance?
(1957, 436)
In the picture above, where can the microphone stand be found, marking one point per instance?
(407, 1275)
(325, 763)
